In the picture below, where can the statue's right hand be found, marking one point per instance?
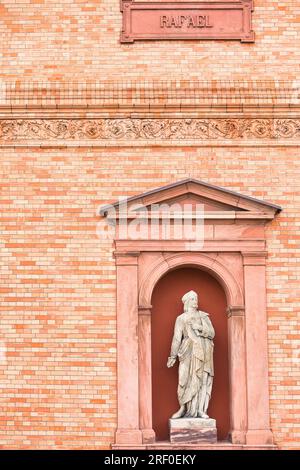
(171, 361)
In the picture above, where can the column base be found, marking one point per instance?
(259, 437)
(148, 436)
(129, 436)
(238, 437)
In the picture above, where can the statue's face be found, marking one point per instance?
(193, 302)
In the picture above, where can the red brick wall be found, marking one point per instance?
(79, 40)
(58, 382)
(58, 325)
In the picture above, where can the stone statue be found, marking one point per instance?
(193, 345)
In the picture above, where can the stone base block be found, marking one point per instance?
(259, 436)
(148, 436)
(128, 436)
(193, 430)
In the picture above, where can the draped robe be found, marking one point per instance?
(195, 353)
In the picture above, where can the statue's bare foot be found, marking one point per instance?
(178, 413)
(204, 415)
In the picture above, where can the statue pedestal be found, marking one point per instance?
(193, 430)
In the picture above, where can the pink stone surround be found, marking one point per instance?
(234, 252)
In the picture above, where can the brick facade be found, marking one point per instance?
(131, 122)
(76, 40)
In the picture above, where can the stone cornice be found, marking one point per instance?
(181, 113)
(151, 94)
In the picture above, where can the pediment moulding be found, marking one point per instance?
(217, 203)
(187, 201)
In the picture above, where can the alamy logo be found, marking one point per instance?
(154, 222)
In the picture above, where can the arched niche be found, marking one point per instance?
(214, 264)
(166, 306)
(234, 253)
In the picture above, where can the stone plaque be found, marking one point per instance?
(187, 20)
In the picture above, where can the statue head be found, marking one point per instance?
(190, 300)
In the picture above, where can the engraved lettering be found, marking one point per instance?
(163, 21)
(173, 22)
(182, 19)
(207, 22)
(201, 21)
(190, 21)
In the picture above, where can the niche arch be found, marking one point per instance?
(166, 306)
(212, 263)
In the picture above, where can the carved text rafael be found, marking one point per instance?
(189, 21)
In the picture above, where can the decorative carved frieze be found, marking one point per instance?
(147, 129)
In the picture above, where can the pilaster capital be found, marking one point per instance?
(254, 258)
(128, 258)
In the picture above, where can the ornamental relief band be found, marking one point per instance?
(189, 21)
(18, 130)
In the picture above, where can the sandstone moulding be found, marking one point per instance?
(157, 113)
(236, 257)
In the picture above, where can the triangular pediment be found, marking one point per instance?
(215, 200)
(194, 200)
